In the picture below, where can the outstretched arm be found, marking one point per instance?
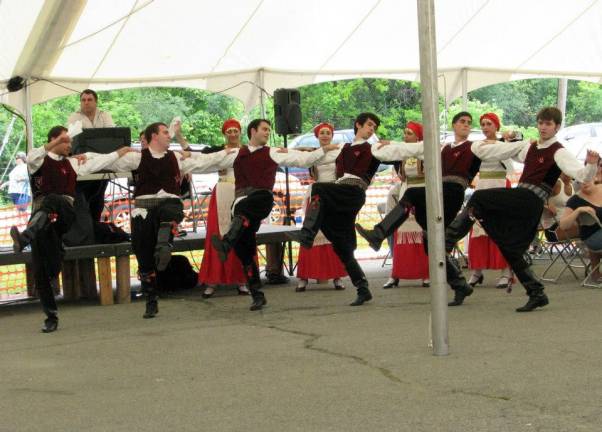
(207, 162)
(100, 161)
(573, 168)
(398, 150)
(488, 151)
(296, 158)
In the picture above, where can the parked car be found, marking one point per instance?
(579, 138)
(119, 192)
(309, 141)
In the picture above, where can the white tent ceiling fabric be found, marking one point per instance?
(237, 46)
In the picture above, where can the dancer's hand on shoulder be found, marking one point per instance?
(81, 159)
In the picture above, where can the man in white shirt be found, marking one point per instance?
(89, 114)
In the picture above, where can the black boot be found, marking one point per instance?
(358, 279)
(386, 227)
(228, 240)
(254, 283)
(51, 323)
(37, 222)
(311, 224)
(457, 229)
(456, 281)
(149, 288)
(537, 298)
(363, 292)
(164, 245)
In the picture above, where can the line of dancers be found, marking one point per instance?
(507, 218)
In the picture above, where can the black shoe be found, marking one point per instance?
(152, 309)
(459, 295)
(276, 279)
(259, 301)
(372, 236)
(221, 247)
(50, 325)
(426, 284)
(363, 295)
(534, 302)
(207, 294)
(391, 283)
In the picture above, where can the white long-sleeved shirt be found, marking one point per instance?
(292, 158)
(102, 119)
(517, 151)
(95, 161)
(398, 151)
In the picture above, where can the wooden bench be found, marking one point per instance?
(122, 251)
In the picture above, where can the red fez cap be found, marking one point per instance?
(229, 124)
(493, 117)
(416, 128)
(322, 126)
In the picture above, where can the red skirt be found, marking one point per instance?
(319, 262)
(483, 253)
(213, 271)
(409, 260)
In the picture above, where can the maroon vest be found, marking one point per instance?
(357, 160)
(254, 169)
(54, 177)
(154, 174)
(459, 161)
(540, 167)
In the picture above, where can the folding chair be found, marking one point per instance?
(586, 219)
(565, 252)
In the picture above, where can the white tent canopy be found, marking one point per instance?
(239, 46)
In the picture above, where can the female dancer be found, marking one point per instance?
(320, 261)
(213, 272)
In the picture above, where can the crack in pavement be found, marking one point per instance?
(310, 340)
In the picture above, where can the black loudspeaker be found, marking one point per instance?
(287, 111)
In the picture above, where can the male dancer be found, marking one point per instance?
(511, 216)
(53, 177)
(458, 165)
(159, 207)
(334, 206)
(255, 173)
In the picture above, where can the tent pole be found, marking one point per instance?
(561, 97)
(432, 159)
(28, 117)
(261, 95)
(464, 89)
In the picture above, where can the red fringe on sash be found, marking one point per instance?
(409, 259)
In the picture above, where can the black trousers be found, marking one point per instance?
(339, 206)
(144, 231)
(255, 207)
(511, 218)
(453, 197)
(47, 248)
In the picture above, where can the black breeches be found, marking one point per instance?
(47, 248)
(253, 208)
(453, 197)
(339, 206)
(144, 231)
(510, 217)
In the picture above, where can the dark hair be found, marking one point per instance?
(461, 114)
(56, 131)
(550, 113)
(90, 92)
(142, 133)
(255, 124)
(151, 129)
(363, 118)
